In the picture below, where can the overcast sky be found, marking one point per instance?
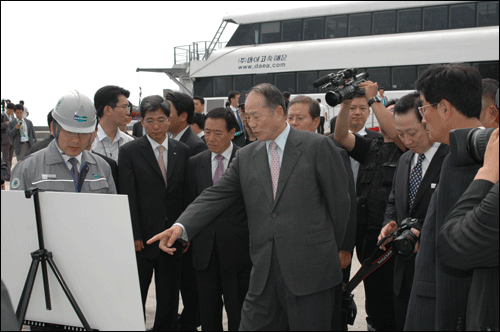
(49, 48)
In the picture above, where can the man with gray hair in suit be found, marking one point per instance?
(295, 190)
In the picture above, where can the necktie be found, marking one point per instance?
(161, 163)
(239, 119)
(416, 178)
(220, 168)
(275, 167)
(74, 171)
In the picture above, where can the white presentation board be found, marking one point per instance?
(90, 237)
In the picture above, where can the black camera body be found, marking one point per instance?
(345, 85)
(468, 146)
(404, 241)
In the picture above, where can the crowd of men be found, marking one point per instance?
(258, 212)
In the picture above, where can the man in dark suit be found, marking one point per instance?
(412, 133)
(220, 252)
(469, 240)
(6, 140)
(451, 96)
(138, 129)
(152, 172)
(181, 115)
(22, 132)
(295, 190)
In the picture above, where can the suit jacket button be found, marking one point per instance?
(273, 215)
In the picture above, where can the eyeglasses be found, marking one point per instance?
(125, 107)
(422, 110)
(159, 121)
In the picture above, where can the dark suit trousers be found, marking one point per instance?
(401, 305)
(190, 317)
(214, 283)
(277, 309)
(379, 294)
(167, 270)
(8, 154)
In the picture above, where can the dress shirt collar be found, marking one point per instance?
(429, 154)
(234, 109)
(66, 157)
(281, 139)
(101, 134)
(179, 135)
(226, 154)
(154, 144)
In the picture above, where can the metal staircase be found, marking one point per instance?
(214, 41)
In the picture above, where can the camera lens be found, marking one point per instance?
(478, 140)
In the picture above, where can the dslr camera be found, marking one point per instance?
(345, 85)
(468, 145)
(404, 241)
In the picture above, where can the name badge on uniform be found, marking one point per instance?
(48, 176)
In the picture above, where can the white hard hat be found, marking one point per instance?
(75, 113)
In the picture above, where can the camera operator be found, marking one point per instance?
(378, 158)
(416, 176)
(469, 241)
(451, 96)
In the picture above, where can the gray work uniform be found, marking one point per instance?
(47, 170)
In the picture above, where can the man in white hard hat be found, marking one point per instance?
(65, 165)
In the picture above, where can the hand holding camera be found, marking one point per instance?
(404, 239)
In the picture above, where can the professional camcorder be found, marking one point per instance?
(345, 85)
(469, 145)
(404, 241)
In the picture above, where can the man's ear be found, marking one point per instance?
(51, 129)
(446, 109)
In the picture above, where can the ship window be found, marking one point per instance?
(403, 78)
(245, 35)
(435, 18)
(263, 78)
(292, 31)
(410, 20)
(336, 26)
(487, 13)
(381, 76)
(384, 22)
(421, 69)
(360, 25)
(270, 32)
(204, 86)
(286, 82)
(314, 28)
(305, 80)
(243, 83)
(223, 85)
(488, 69)
(462, 16)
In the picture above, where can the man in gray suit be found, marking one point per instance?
(22, 133)
(295, 190)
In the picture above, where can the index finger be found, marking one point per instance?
(155, 238)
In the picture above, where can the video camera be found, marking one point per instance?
(345, 85)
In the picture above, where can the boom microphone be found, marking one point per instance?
(325, 79)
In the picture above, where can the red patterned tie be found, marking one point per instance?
(275, 167)
(162, 163)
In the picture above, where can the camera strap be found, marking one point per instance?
(371, 264)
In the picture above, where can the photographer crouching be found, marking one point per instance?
(469, 241)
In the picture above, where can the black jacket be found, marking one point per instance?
(469, 240)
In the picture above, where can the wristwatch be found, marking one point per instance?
(374, 99)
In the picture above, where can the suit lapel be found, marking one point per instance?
(172, 157)
(290, 157)
(206, 170)
(261, 164)
(149, 155)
